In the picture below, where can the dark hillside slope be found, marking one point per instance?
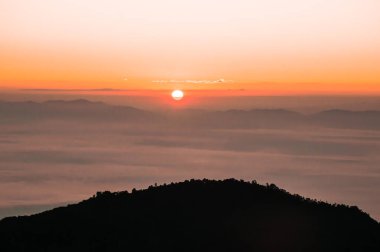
(195, 215)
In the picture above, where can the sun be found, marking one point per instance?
(177, 94)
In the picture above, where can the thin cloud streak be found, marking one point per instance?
(73, 90)
(218, 81)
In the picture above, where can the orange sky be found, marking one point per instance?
(272, 47)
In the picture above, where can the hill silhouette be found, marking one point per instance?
(75, 110)
(196, 215)
(87, 111)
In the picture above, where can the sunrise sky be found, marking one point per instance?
(275, 46)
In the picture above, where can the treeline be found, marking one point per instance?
(195, 215)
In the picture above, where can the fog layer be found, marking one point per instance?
(57, 155)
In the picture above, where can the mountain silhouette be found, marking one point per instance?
(87, 111)
(195, 215)
(337, 118)
(74, 110)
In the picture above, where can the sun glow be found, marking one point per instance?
(177, 95)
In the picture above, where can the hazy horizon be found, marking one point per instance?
(215, 100)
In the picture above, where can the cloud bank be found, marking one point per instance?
(53, 161)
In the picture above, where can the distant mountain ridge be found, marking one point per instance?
(85, 110)
(81, 109)
(196, 215)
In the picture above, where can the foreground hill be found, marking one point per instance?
(195, 215)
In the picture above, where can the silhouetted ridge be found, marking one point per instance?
(336, 118)
(196, 215)
(89, 111)
(77, 102)
(73, 110)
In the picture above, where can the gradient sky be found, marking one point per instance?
(277, 46)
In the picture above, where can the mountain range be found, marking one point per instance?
(84, 110)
